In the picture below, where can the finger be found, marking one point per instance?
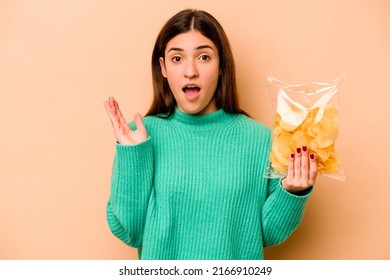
(297, 163)
(289, 180)
(116, 106)
(122, 120)
(121, 123)
(305, 165)
(290, 168)
(139, 124)
(107, 104)
(112, 113)
(313, 169)
(112, 103)
(110, 106)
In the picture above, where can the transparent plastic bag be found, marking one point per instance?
(305, 115)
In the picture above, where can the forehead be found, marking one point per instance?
(189, 41)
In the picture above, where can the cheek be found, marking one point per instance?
(175, 87)
(214, 76)
(173, 77)
(173, 83)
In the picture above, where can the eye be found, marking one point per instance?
(204, 57)
(176, 59)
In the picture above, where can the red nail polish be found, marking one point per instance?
(312, 156)
(304, 148)
(298, 150)
(292, 155)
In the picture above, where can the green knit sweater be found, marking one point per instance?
(195, 190)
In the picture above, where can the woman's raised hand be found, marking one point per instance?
(302, 171)
(124, 135)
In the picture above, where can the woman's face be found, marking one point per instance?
(191, 66)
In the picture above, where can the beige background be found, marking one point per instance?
(60, 59)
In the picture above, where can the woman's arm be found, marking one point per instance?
(132, 176)
(287, 198)
(131, 183)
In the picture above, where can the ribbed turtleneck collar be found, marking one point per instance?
(211, 121)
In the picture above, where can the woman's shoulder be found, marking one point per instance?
(154, 119)
(150, 122)
(251, 125)
(253, 132)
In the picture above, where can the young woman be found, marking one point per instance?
(187, 180)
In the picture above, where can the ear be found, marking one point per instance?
(163, 69)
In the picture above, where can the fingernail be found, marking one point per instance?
(304, 148)
(292, 155)
(298, 150)
(312, 156)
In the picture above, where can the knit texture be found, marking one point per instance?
(195, 189)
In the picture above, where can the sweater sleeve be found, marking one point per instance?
(131, 183)
(282, 213)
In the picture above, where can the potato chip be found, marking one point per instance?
(331, 113)
(299, 139)
(282, 147)
(319, 137)
(276, 164)
(315, 127)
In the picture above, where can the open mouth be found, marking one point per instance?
(191, 92)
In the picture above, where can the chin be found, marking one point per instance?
(198, 108)
(192, 111)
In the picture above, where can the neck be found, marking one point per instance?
(211, 121)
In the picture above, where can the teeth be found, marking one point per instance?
(190, 87)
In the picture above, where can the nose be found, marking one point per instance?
(191, 70)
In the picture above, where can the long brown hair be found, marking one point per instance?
(226, 96)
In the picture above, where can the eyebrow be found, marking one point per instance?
(201, 47)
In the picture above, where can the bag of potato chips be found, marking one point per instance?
(306, 115)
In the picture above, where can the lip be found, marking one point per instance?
(191, 95)
(192, 85)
